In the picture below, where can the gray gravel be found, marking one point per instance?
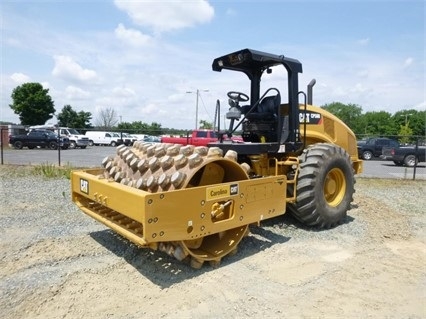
(48, 246)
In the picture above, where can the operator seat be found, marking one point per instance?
(261, 124)
(267, 110)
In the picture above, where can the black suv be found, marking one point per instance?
(373, 147)
(39, 138)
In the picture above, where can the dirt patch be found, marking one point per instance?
(58, 263)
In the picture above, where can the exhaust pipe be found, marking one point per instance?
(310, 86)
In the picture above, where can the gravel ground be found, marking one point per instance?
(58, 263)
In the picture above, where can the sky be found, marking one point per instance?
(147, 59)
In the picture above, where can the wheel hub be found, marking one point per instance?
(334, 187)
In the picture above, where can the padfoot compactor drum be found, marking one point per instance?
(196, 203)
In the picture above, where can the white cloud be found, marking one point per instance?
(421, 106)
(123, 92)
(131, 36)
(20, 78)
(67, 68)
(123, 99)
(365, 41)
(358, 88)
(45, 85)
(151, 109)
(408, 62)
(164, 16)
(76, 93)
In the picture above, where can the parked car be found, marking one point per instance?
(373, 147)
(404, 155)
(139, 137)
(39, 138)
(76, 139)
(128, 139)
(361, 142)
(152, 139)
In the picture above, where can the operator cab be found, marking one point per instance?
(267, 124)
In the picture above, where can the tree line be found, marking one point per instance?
(402, 124)
(34, 106)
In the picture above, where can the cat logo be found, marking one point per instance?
(84, 186)
(234, 189)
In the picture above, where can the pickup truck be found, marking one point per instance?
(404, 155)
(75, 138)
(373, 147)
(39, 138)
(197, 138)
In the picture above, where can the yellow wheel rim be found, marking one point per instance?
(334, 187)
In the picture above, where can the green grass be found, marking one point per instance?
(52, 171)
(45, 170)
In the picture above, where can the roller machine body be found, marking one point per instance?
(196, 203)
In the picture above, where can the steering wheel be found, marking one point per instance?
(240, 97)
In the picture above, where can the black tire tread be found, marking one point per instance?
(18, 145)
(314, 159)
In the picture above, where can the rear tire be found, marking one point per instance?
(410, 160)
(367, 155)
(18, 145)
(53, 145)
(73, 145)
(325, 186)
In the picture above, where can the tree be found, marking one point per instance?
(350, 114)
(107, 118)
(205, 125)
(378, 124)
(139, 127)
(126, 127)
(413, 119)
(83, 120)
(136, 127)
(155, 128)
(70, 118)
(405, 132)
(32, 103)
(67, 116)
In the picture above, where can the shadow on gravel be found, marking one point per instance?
(406, 167)
(164, 271)
(290, 222)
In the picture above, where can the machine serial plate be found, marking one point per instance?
(221, 191)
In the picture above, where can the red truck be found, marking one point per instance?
(197, 138)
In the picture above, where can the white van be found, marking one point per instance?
(103, 138)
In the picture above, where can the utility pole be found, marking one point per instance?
(196, 105)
